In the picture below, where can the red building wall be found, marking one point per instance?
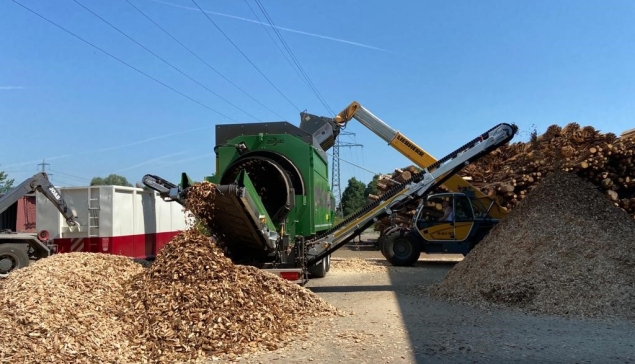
(25, 218)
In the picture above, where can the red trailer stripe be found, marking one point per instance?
(134, 246)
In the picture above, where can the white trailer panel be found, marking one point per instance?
(113, 219)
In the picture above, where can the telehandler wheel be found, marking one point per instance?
(400, 250)
(389, 233)
(319, 270)
(12, 256)
(382, 242)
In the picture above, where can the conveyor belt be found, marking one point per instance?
(417, 177)
(233, 221)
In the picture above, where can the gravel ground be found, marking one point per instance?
(365, 247)
(390, 320)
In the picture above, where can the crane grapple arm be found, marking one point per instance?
(39, 182)
(166, 189)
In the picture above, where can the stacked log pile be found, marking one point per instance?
(403, 215)
(512, 171)
(509, 173)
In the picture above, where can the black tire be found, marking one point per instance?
(400, 249)
(381, 242)
(389, 233)
(12, 257)
(318, 270)
(144, 263)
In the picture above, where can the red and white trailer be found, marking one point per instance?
(128, 221)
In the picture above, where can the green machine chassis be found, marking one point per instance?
(276, 206)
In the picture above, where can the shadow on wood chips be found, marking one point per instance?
(566, 250)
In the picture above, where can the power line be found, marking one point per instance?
(62, 181)
(295, 66)
(295, 60)
(201, 59)
(162, 59)
(44, 164)
(244, 55)
(273, 40)
(353, 164)
(70, 175)
(22, 171)
(122, 61)
(307, 79)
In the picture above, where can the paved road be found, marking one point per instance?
(392, 321)
(365, 247)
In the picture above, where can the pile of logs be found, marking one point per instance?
(514, 170)
(403, 215)
(509, 173)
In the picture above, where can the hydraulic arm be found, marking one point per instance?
(419, 184)
(417, 155)
(39, 182)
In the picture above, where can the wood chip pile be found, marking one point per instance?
(67, 309)
(565, 249)
(194, 301)
(201, 202)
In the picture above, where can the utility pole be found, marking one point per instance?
(44, 164)
(335, 174)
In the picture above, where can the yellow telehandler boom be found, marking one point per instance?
(483, 203)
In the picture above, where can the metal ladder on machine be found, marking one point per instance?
(93, 219)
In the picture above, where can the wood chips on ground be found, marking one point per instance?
(357, 265)
(565, 250)
(67, 309)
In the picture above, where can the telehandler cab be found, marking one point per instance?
(429, 232)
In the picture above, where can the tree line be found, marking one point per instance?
(355, 195)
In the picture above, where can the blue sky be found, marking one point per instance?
(439, 71)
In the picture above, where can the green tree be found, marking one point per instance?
(371, 188)
(6, 184)
(353, 197)
(111, 180)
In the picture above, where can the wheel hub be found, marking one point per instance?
(7, 263)
(401, 248)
